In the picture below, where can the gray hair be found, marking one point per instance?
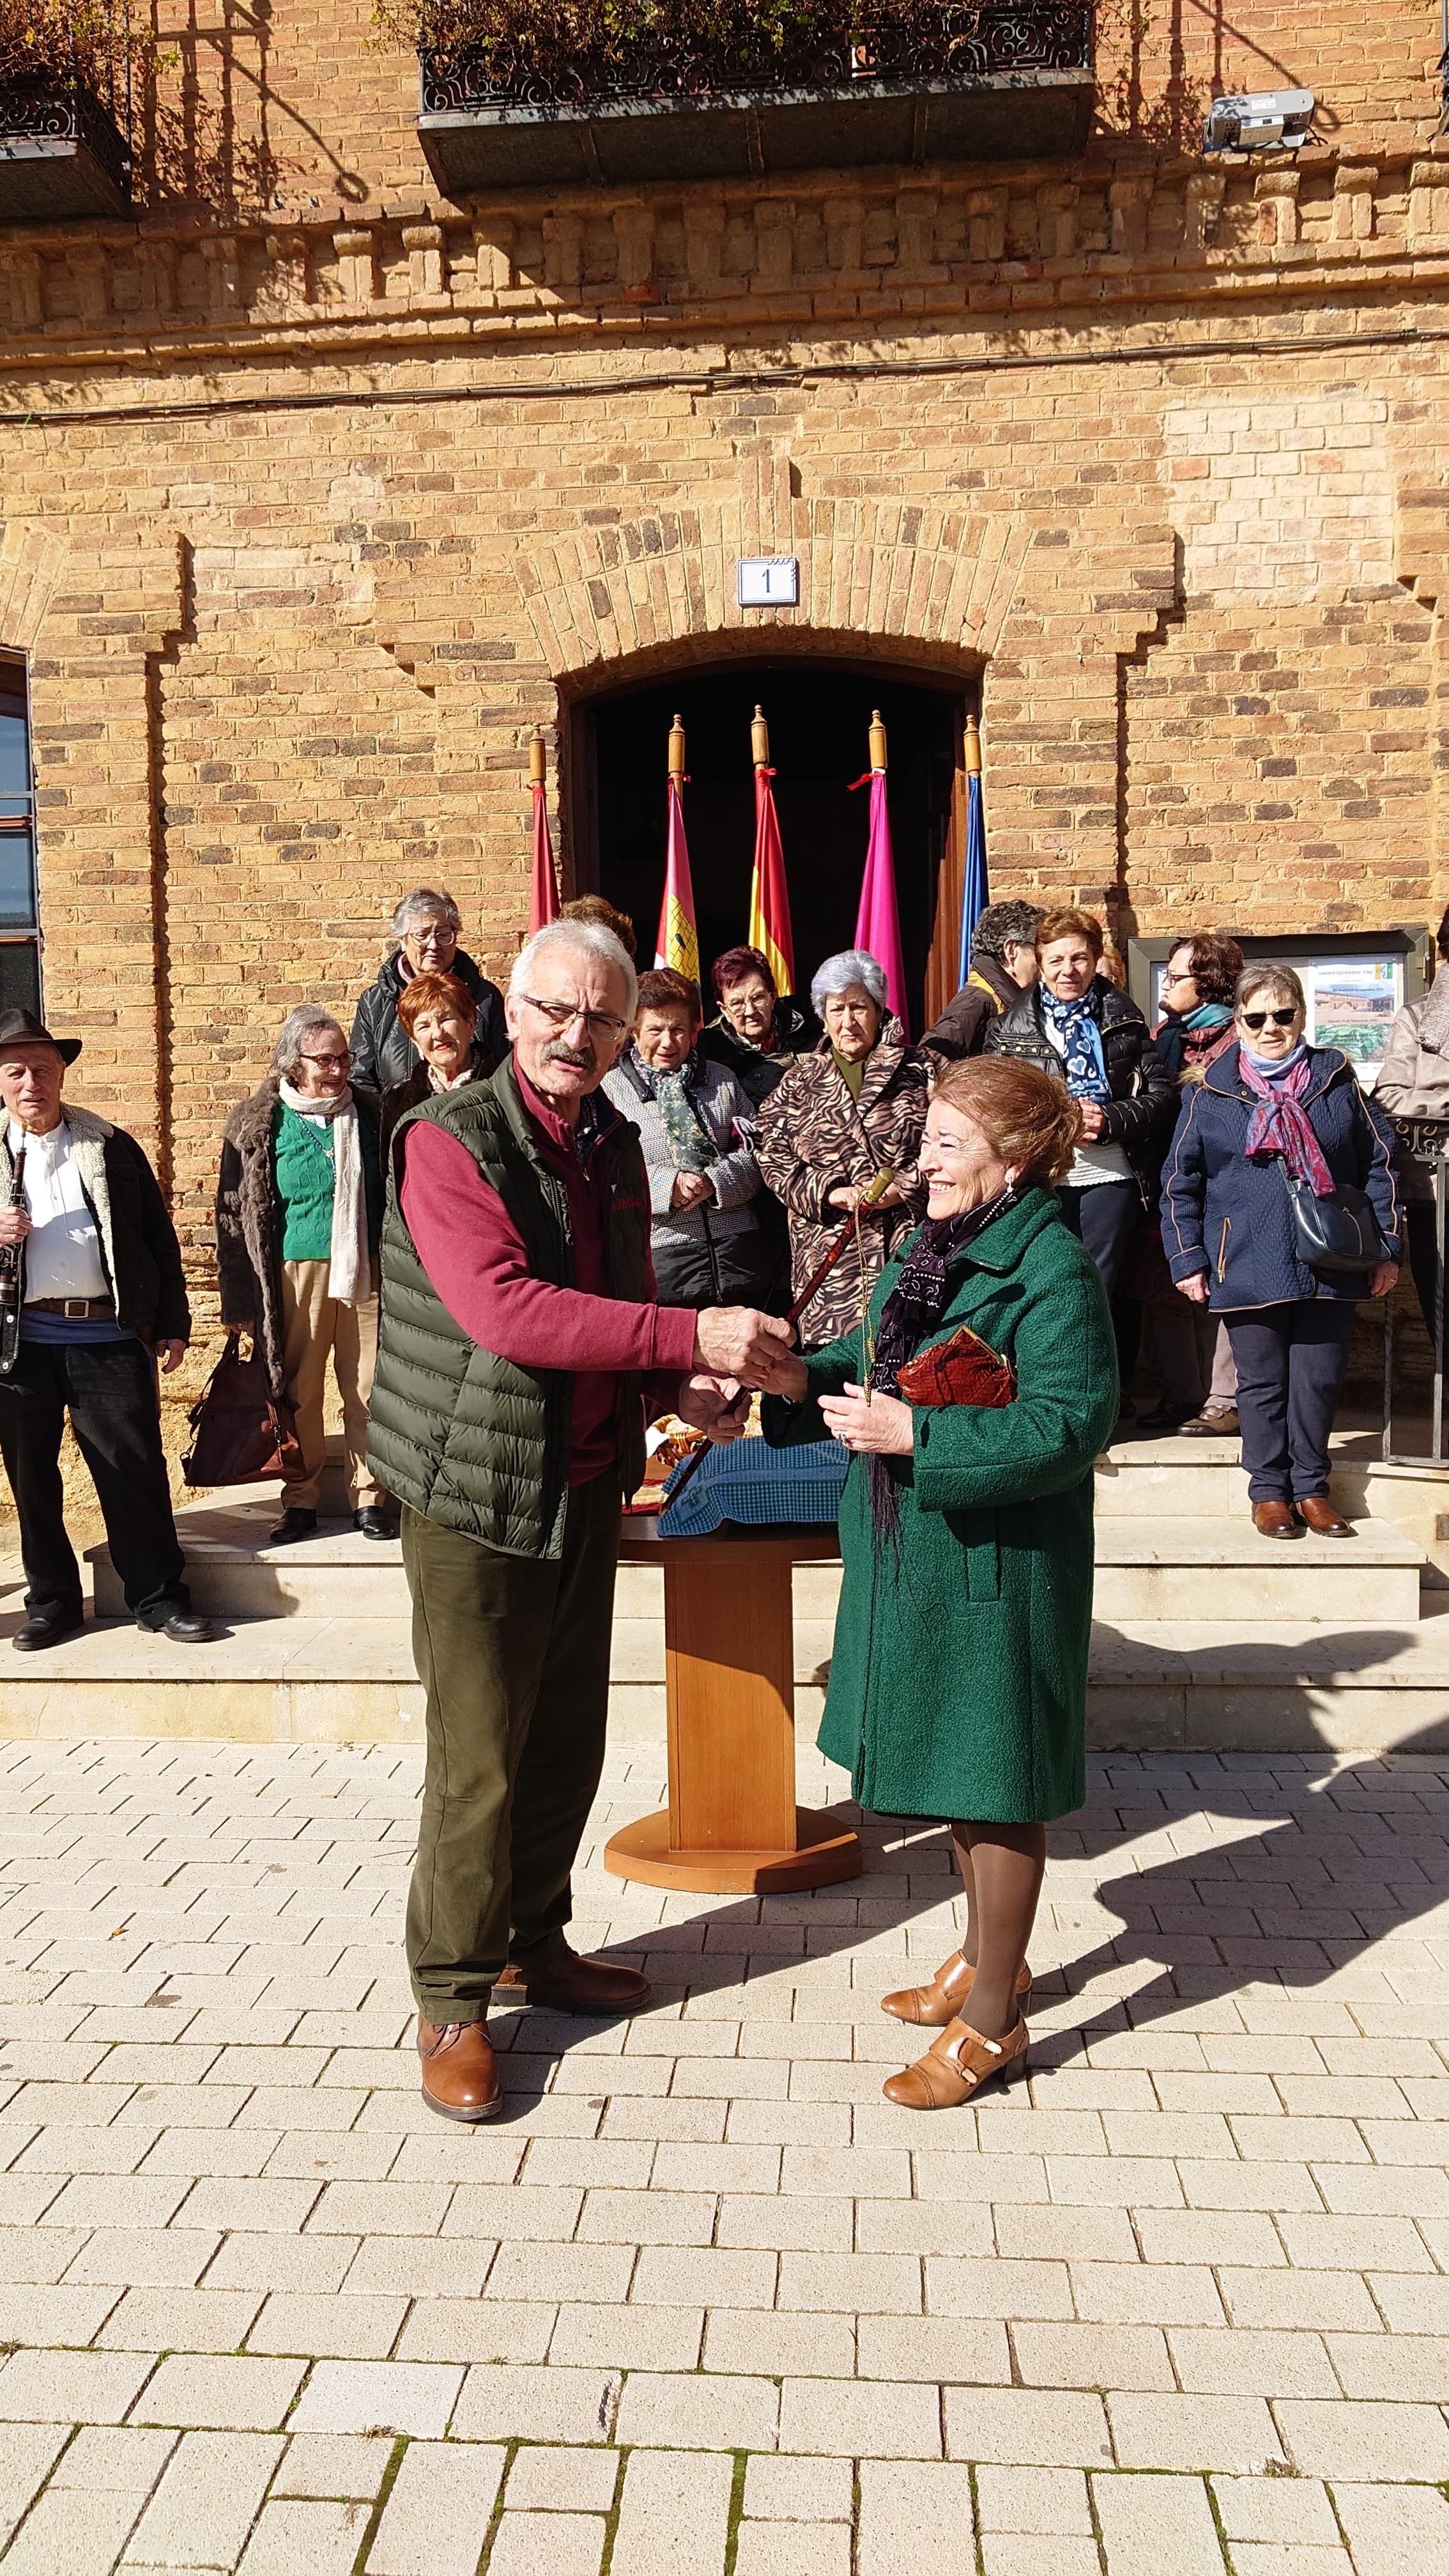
(425, 904)
(851, 966)
(1266, 975)
(577, 939)
(305, 1022)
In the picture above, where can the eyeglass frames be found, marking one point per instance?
(561, 1015)
(1281, 1019)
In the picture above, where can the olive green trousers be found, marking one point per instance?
(513, 1653)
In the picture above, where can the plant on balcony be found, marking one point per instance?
(537, 52)
(71, 43)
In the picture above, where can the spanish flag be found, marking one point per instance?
(769, 897)
(678, 941)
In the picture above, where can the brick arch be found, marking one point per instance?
(879, 575)
(32, 559)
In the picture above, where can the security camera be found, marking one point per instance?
(1260, 120)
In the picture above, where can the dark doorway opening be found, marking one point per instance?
(819, 715)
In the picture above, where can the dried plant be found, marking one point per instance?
(69, 39)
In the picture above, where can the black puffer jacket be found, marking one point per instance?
(1143, 1108)
(382, 1051)
(797, 1030)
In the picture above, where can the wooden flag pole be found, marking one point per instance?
(676, 753)
(877, 740)
(538, 760)
(973, 748)
(760, 740)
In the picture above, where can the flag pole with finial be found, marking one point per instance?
(877, 924)
(677, 944)
(543, 898)
(769, 894)
(975, 890)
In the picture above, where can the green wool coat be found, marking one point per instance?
(958, 1685)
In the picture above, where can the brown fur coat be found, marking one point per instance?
(249, 1221)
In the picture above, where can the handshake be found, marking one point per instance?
(735, 1349)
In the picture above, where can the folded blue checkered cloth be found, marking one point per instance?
(751, 1483)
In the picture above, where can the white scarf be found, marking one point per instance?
(349, 1268)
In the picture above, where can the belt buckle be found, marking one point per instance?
(77, 1309)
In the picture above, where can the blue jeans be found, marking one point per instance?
(1290, 1361)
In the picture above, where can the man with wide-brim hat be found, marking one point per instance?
(102, 1300)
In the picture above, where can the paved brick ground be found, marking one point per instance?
(703, 2302)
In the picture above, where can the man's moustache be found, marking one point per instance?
(582, 1059)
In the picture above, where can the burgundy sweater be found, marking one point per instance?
(475, 1257)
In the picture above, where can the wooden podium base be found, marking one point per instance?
(731, 1827)
(823, 1854)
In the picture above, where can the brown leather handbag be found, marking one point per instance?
(963, 1370)
(241, 1433)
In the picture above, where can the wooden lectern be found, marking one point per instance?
(731, 1827)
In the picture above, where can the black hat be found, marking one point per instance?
(22, 1028)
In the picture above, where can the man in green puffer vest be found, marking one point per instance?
(522, 1351)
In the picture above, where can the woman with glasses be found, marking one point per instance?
(298, 1214)
(425, 927)
(1194, 1356)
(1273, 1116)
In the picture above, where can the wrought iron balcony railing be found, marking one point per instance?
(62, 152)
(968, 79)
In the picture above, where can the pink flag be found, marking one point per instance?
(677, 944)
(543, 901)
(877, 926)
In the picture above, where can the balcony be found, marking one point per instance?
(61, 152)
(1006, 80)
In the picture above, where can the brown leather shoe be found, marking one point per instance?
(460, 2071)
(939, 2002)
(1317, 1513)
(956, 2066)
(1276, 1520)
(555, 1979)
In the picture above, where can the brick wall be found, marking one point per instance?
(286, 660)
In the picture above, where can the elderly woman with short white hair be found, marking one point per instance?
(298, 1216)
(425, 929)
(854, 1106)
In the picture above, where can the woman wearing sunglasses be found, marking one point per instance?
(1273, 1112)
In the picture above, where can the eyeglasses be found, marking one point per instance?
(562, 1015)
(1280, 1019)
(332, 1057)
(440, 935)
(1178, 979)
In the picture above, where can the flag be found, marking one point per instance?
(975, 892)
(769, 895)
(678, 941)
(543, 901)
(877, 926)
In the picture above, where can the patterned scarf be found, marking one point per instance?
(691, 1150)
(1279, 1123)
(1080, 1044)
(1176, 1027)
(912, 1310)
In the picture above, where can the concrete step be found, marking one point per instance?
(1160, 1567)
(1364, 1687)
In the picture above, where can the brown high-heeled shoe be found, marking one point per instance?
(956, 2066)
(941, 2001)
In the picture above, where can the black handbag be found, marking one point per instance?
(1338, 1233)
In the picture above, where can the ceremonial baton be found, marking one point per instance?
(813, 1285)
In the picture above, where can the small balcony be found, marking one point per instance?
(1005, 80)
(61, 152)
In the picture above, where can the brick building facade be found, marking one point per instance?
(314, 509)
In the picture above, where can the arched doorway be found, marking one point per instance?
(819, 714)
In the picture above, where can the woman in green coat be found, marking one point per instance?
(958, 1684)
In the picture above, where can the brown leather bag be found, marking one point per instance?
(963, 1370)
(241, 1433)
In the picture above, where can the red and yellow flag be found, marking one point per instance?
(543, 897)
(769, 896)
(678, 942)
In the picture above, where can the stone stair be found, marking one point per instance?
(1207, 1636)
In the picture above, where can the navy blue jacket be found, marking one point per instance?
(1233, 1219)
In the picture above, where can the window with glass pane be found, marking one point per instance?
(19, 919)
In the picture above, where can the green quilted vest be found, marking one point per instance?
(469, 1439)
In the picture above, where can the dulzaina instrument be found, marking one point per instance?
(849, 1233)
(12, 1275)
